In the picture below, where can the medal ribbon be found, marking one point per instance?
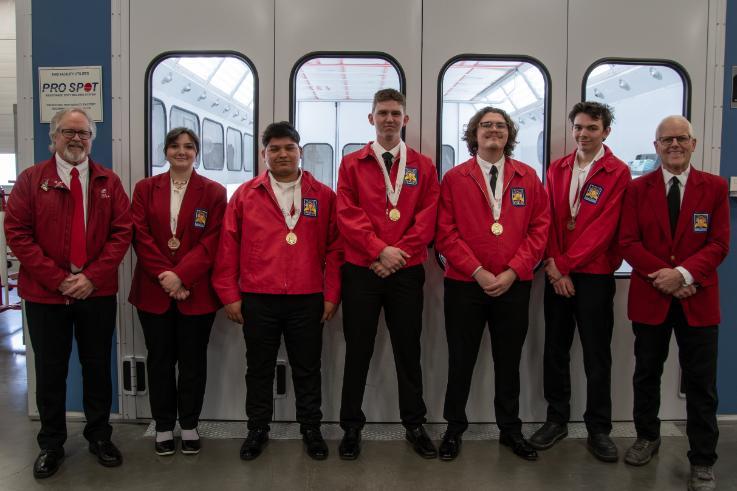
(289, 218)
(392, 193)
(496, 203)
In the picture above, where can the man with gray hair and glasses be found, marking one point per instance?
(68, 223)
(674, 231)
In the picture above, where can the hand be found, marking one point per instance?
(169, 281)
(685, 292)
(66, 284)
(552, 270)
(393, 258)
(484, 278)
(180, 294)
(379, 270)
(329, 311)
(78, 286)
(233, 311)
(501, 283)
(667, 280)
(564, 287)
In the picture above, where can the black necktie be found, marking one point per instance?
(388, 161)
(494, 173)
(674, 203)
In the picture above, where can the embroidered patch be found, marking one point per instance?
(518, 196)
(700, 222)
(593, 193)
(309, 207)
(200, 218)
(104, 194)
(410, 176)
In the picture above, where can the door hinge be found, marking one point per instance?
(134, 375)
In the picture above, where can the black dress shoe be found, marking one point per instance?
(450, 447)
(519, 446)
(315, 444)
(167, 447)
(350, 445)
(47, 463)
(107, 453)
(548, 435)
(421, 442)
(190, 447)
(254, 444)
(602, 447)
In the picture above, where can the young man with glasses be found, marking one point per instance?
(674, 232)
(69, 225)
(492, 229)
(585, 192)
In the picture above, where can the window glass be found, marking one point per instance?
(317, 159)
(517, 86)
(248, 163)
(352, 147)
(158, 133)
(333, 95)
(213, 155)
(233, 150)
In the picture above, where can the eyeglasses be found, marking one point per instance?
(680, 139)
(83, 134)
(492, 124)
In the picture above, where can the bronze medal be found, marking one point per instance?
(173, 243)
(394, 214)
(497, 228)
(571, 225)
(291, 238)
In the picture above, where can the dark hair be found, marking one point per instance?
(385, 95)
(596, 110)
(175, 133)
(473, 124)
(282, 129)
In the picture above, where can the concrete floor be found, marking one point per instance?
(284, 465)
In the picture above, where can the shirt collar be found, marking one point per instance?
(486, 166)
(82, 167)
(284, 185)
(682, 177)
(379, 150)
(598, 155)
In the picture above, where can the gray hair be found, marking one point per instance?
(54, 126)
(676, 117)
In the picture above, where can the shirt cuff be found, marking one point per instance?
(687, 277)
(473, 275)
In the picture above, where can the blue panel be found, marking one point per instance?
(74, 33)
(727, 276)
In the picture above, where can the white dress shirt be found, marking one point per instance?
(682, 180)
(175, 204)
(486, 171)
(579, 175)
(64, 169)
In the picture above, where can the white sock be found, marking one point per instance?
(190, 434)
(162, 436)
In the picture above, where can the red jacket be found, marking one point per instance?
(701, 243)
(204, 201)
(591, 247)
(38, 227)
(363, 206)
(254, 256)
(464, 222)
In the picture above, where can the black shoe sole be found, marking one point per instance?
(447, 458)
(349, 457)
(546, 446)
(604, 458)
(168, 453)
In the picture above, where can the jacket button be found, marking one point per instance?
(673, 258)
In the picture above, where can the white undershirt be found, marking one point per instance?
(175, 204)
(579, 175)
(284, 192)
(64, 169)
(486, 171)
(682, 180)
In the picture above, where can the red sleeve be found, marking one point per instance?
(148, 254)
(630, 236)
(334, 256)
(553, 248)
(447, 238)
(531, 250)
(198, 261)
(420, 232)
(599, 233)
(19, 233)
(354, 224)
(226, 272)
(119, 237)
(703, 264)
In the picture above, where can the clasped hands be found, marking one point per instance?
(495, 285)
(391, 259)
(77, 286)
(172, 284)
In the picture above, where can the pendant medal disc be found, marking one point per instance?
(394, 214)
(173, 243)
(497, 228)
(291, 238)
(571, 225)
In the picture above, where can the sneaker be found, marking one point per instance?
(642, 451)
(702, 478)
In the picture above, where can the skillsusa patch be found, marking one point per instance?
(518, 196)
(593, 193)
(410, 176)
(700, 222)
(200, 218)
(309, 207)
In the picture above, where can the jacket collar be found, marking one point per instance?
(471, 166)
(308, 181)
(51, 178)
(608, 161)
(366, 154)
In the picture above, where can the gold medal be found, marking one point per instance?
(173, 243)
(291, 238)
(394, 214)
(571, 225)
(497, 228)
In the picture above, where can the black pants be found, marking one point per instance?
(401, 296)
(467, 311)
(266, 318)
(592, 310)
(51, 327)
(697, 354)
(176, 341)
